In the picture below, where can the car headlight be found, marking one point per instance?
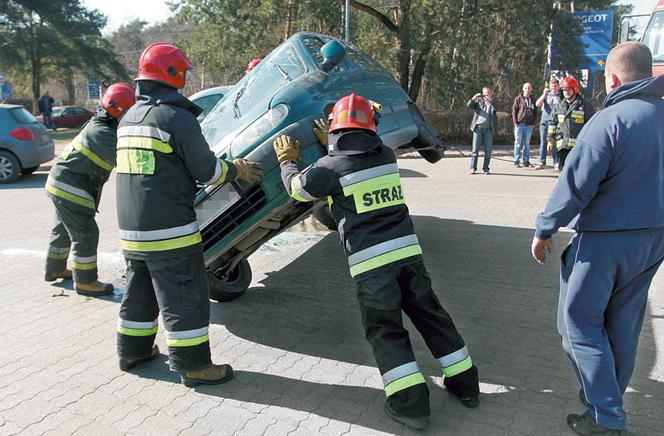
(259, 128)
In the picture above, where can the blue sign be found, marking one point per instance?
(93, 90)
(596, 38)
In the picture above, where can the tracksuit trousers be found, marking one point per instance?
(179, 289)
(382, 298)
(79, 233)
(604, 284)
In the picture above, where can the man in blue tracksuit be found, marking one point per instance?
(611, 192)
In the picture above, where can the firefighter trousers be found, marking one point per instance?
(78, 232)
(179, 289)
(382, 298)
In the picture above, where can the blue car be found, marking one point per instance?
(298, 82)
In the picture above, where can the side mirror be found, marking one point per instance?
(333, 54)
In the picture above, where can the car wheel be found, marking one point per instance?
(26, 171)
(324, 216)
(232, 284)
(10, 168)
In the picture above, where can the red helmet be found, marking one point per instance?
(353, 112)
(164, 63)
(570, 82)
(118, 98)
(251, 65)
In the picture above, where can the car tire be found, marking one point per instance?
(10, 168)
(231, 286)
(323, 215)
(26, 171)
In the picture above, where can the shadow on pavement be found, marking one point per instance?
(36, 180)
(405, 172)
(502, 301)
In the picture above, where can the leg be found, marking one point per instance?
(84, 234)
(438, 330)
(488, 145)
(527, 134)
(517, 144)
(543, 128)
(137, 322)
(58, 249)
(562, 155)
(380, 304)
(477, 133)
(554, 155)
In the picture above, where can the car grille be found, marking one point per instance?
(250, 203)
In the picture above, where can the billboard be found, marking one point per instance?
(597, 37)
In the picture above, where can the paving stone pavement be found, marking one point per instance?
(295, 339)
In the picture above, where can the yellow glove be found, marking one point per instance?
(550, 145)
(286, 149)
(248, 171)
(320, 131)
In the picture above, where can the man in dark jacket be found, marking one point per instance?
(360, 178)
(161, 154)
(567, 119)
(74, 184)
(483, 126)
(524, 113)
(45, 104)
(611, 192)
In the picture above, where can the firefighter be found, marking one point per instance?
(161, 154)
(74, 184)
(360, 179)
(567, 119)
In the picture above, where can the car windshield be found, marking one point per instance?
(22, 116)
(57, 111)
(654, 36)
(254, 90)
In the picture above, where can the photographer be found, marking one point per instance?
(484, 124)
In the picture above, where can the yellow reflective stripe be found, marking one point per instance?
(384, 259)
(67, 151)
(376, 193)
(94, 157)
(224, 173)
(70, 197)
(189, 342)
(144, 143)
(137, 332)
(387, 179)
(458, 367)
(58, 255)
(167, 244)
(85, 266)
(404, 383)
(296, 186)
(133, 161)
(329, 200)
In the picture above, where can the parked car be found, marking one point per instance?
(208, 98)
(24, 143)
(297, 82)
(68, 116)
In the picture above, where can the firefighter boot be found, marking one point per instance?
(127, 364)
(211, 375)
(65, 275)
(93, 289)
(416, 423)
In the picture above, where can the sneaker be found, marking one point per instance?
(65, 275)
(420, 423)
(585, 425)
(517, 164)
(211, 375)
(127, 364)
(539, 167)
(472, 171)
(526, 164)
(486, 172)
(94, 289)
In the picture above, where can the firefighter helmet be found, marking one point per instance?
(164, 63)
(251, 65)
(353, 112)
(118, 98)
(570, 82)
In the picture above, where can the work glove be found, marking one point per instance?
(286, 149)
(251, 172)
(550, 145)
(320, 131)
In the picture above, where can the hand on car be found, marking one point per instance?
(320, 131)
(539, 247)
(251, 172)
(286, 149)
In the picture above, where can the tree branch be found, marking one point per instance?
(376, 14)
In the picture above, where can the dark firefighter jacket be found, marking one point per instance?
(77, 178)
(366, 199)
(161, 154)
(566, 121)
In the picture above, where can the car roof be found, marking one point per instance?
(211, 91)
(10, 106)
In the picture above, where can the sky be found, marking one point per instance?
(120, 12)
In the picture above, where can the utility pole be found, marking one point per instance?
(549, 49)
(347, 10)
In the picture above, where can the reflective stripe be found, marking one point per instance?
(59, 249)
(456, 363)
(58, 252)
(298, 192)
(85, 263)
(458, 368)
(400, 372)
(94, 157)
(134, 161)
(404, 383)
(71, 189)
(85, 202)
(220, 173)
(155, 235)
(168, 244)
(87, 259)
(383, 247)
(370, 173)
(144, 142)
(150, 131)
(187, 338)
(132, 328)
(390, 254)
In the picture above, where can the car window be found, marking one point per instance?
(57, 111)
(22, 116)
(207, 103)
(76, 111)
(314, 44)
(654, 36)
